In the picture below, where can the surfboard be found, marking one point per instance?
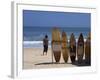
(72, 48)
(64, 47)
(56, 44)
(88, 50)
(80, 48)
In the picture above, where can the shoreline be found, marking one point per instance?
(39, 44)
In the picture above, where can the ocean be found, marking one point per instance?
(33, 36)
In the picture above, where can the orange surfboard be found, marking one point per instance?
(64, 47)
(72, 48)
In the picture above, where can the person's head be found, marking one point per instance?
(46, 36)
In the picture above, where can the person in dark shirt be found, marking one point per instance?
(45, 44)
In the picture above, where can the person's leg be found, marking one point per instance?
(46, 49)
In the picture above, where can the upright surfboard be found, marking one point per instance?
(80, 48)
(72, 48)
(88, 50)
(64, 47)
(56, 44)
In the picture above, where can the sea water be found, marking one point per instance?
(33, 35)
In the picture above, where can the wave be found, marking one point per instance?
(34, 42)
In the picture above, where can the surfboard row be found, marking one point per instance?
(60, 45)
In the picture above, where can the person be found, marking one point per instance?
(45, 44)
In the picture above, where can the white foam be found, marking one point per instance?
(77, 40)
(34, 44)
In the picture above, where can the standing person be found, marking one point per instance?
(45, 44)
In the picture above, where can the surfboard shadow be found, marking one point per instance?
(75, 63)
(47, 63)
(83, 63)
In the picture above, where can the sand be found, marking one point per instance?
(34, 59)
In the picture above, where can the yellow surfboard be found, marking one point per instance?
(56, 44)
(64, 47)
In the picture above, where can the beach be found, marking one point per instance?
(33, 58)
(37, 24)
